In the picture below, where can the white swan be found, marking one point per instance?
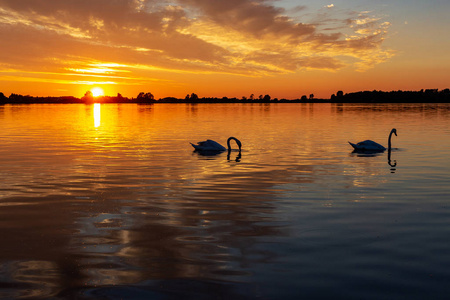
(369, 145)
(210, 145)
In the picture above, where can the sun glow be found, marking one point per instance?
(96, 92)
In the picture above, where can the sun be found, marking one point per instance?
(96, 92)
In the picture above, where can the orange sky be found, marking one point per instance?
(219, 48)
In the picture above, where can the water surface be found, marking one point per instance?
(111, 201)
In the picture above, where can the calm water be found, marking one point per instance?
(110, 201)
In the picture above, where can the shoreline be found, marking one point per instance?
(422, 96)
(224, 102)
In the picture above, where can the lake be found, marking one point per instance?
(110, 201)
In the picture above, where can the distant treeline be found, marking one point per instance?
(87, 99)
(422, 96)
(430, 95)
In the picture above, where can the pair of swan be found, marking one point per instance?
(367, 145)
(372, 146)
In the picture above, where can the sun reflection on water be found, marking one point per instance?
(97, 119)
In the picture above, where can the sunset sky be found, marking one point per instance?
(217, 48)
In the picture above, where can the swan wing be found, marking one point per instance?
(368, 145)
(208, 145)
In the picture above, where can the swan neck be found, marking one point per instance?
(237, 142)
(389, 140)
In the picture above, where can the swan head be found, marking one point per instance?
(394, 131)
(238, 142)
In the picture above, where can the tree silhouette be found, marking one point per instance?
(145, 96)
(88, 97)
(194, 96)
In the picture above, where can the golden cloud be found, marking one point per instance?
(242, 37)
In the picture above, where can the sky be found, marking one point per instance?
(222, 48)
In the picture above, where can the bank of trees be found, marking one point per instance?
(88, 98)
(429, 95)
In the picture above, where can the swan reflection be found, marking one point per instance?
(211, 154)
(207, 153)
(391, 163)
(359, 153)
(238, 157)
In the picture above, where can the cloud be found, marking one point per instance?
(255, 18)
(242, 37)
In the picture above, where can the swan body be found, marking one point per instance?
(369, 145)
(213, 146)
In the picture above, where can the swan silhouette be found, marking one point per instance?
(369, 145)
(213, 146)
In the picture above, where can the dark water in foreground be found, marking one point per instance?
(110, 202)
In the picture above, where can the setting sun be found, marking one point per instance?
(96, 92)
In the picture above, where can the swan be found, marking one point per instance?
(210, 145)
(369, 145)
